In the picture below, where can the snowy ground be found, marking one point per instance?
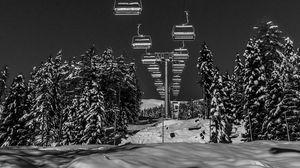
(186, 150)
(193, 130)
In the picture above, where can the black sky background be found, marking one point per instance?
(32, 30)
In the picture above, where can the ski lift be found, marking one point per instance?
(184, 32)
(153, 68)
(176, 79)
(177, 71)
(128, 7)
(178, 65)
(160, 89)
(158, 83)
(162, 93)
(149, 59)
(140, 41)
(156, 75)
(176, 86)
(175, 92)
(180, 54)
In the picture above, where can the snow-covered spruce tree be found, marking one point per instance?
(130, 97)
(91, 106)
(262, 54)
(46, 96)
(12, 128)
(134, 94)
(72, 92)
(228, 100)
(3, 80)
(255, 91)
(205, 70)
(283, 120)
(275, 94)
(221, 108)
(217, 107)
(237, 94)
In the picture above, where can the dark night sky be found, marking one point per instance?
(32, 30)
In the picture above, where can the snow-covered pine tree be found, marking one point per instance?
(217, 107)
(228, 100)
(283, 123)
(46, 96)
(12, 129)
(255, 91)
(135, 100)
(221, 108)
(237, 94)
(205, 70)
(71, 127)
(262, 54)
(91, 112)
(271, 121)
(3, 80)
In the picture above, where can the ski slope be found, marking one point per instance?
(190, 131)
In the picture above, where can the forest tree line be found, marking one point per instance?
(70, 102)
(263, 91)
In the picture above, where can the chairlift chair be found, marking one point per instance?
(128, 7)
(180, 54)
(156, 75)
(176, 79)
(177, 71)
(140, 41)
(175, 92)
(149, 59)
(176, 86)
(153, 68)
(160, 89)
(178, 65)
(158, 83)
(162, 93)
(184, 32)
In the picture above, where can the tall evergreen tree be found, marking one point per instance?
(237, 94)
(283, 119)
(255, 91)
(46, 95)
(3, 80)
(12, 127)
(206, 69)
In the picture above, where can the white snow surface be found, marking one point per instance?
(153, 134)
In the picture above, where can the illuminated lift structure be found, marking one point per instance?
(128, 7)
(177, 57)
